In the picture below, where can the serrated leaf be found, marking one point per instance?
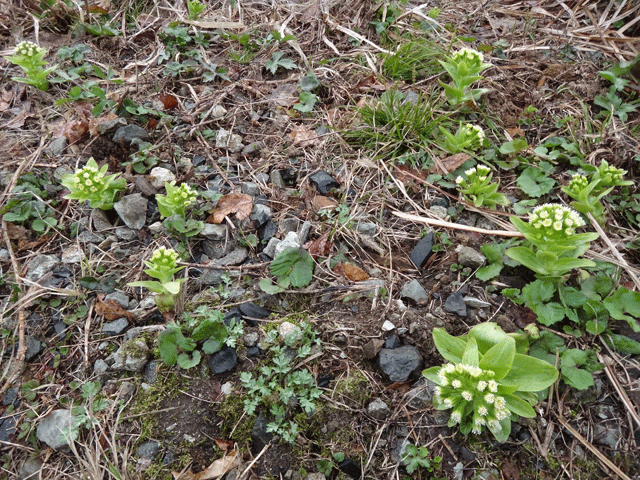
(490, 271)
(536, 182)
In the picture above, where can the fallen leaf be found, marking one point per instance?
(303, 136)
(284, 95)
(515, 132)
(339, 270)
(319, 247)
(17, 232)
(354, 273)
(238, 203)
(110, 309)
(449, 164)
(169, 101)
(370, 83)
(408, 175)
(399, 386)
(511, 471)
(321, 202)
(216, 470)
(26, 245)
(224, 445)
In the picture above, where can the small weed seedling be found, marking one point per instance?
(206, 327)
(278, 388)
(489, 379)
(195, 8)
(27, 205)
(415, 458)
(277, 61)
(30, 58)
(92, 184)
(611, 103)
(163, 266)
(464, 68)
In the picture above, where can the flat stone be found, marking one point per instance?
(367, 228)
(223, 361)
(253, 310)
(110, 125)
(287, 225)
(422, 251)
(132, 356)
(132, 209)
(250, 188)
(378, 409)
(30, 469)
(235, 257)
(291, 240)
(303, 234)
(270, 249)
(475, 302)
(148, 450)
(468, 257)
(372, 348)
(39, 266)
(7, 427)
(34, 347)
(229, 141)
(116, 327)
(392, 342)
(56, 147)
(126, 234)
(72, 254)
(387, 326)
(415, 292)
(438, 211)
(400, 364)
(100, 367)
(54, 429)
(276, 178)
(253, 148)
(90, 237)
(127, 134)
(324, 182)
(120, 297)
(160, 175)
(286, 328)
(214, 232)
(455, 304)
(421, 395)
(260, 214)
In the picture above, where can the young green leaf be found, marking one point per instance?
(294, 264)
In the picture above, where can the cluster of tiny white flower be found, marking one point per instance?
(88, 180)
(468, 54)
(28, 49)
(553, 219)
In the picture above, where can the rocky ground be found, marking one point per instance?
(80, 347)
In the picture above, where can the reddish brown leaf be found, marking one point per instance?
(339, 270)
(511, 471)
(238, 203)
(97, 9)
(152, 123)
(216, 470)
(515, 132)
(407, 175)
(370, 83)
(320, 247)
(449, 164)
(224, 445)
(17, 232)
(400, 386)
(169, 101)
(303, 136)
(320, 202)
(26, 245)
(354, 273)
(110, 309)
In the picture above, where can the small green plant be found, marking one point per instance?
(293, 267)
(536, 180)
(205, 328)
(413, 60)
(173, 207)
(553, 246)
(612, 103)
(489, 379)
(27, 204)
(277, 61)
(92, 184)
(478, 189)
(30, 58)
(415, 458)
(467, 138)
(143, 160)
(195, 8)
(277, 388)
(464, 68)
(84, 414)
(163, 266)
(587, 193)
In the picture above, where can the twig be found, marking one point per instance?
(456, 226)
(246, 472)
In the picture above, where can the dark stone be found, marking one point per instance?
(323, 380)
(233, 314)
(260, 216)
(289, 176)
(168, 458)
(259, 435)
(223, 361)
(7, 428)
(440, 202)
(422, 251)
(392, 342)
(267, 230)
(150, 372)
(34, 347)
(400, 364)
(11, 397)
(251, 311)
(467, 455)
(253, 352)
(455, 304)
(253, 148)
(323, 182)
(351, 468)
(127, 134)
(198, 160)
(153, 215)
(59, 327)
(148, 450)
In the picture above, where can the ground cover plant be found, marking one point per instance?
(372, 239)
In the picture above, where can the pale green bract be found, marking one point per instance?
(467, 137)
(464, 68)
(489, 380)
(92, 184)
(177, 199)
(478, 189)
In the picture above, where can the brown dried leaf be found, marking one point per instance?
(169, 101)
(224, 445)
(407, 175)
(26, 245)
(319, 247)
(321, 202)
(339, 270)
(370, 83)
(515, 132)
(17, 232)
(216, 470)
(354, 273)
(303, 136)
(238, 203)
(110, 309)
(449, 164)
(511, 471)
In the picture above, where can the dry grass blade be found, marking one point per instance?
(456, 226)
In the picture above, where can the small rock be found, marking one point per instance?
(276, 178)
(157, 227)
(160, 175)
(288, 225)
(378, 409)
(252, 311)
(132, 356)
(39, 266)
(214, 232)
(148, 450)
(7, 427)
(303, 234)
(455, 304)
(126, 391)
(387, 326)
(126, 135)
(259, 435)
(229, 141)
(253, 148)
(90, 237)
(150, 372)
(110, 125)
(100, 367)
(223, 361)
(440, 202)
(251, 339)
(421, 395)
(260, 214)
(475, 302)
(270, 249)
(400, 364)
(30, 469)
(56, 147)
(250, 188)
(73, 254)
(392, 342)
(10, 396)
(323, 182)
(438, 211)
(218, 111)
(34, 347)
(286, 328)
(54, 429)
(351, 468)
(422, 251)
(126, 234)
(132, 209)
(468, 257)
(367, 228)
(315, 476)
(372, 348)
(458, 470)
(116, 327)
(120, 297)
(235, 257)
(415, 292)
(291, 240)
